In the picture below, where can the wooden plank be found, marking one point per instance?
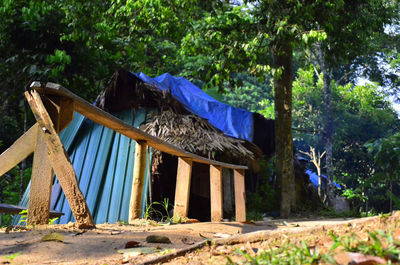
(19, 150)
(14, 209)
(216, 193)
(66, 114)
(61, 113)
(60, 109)
(41, 182)
(240, 195)
(138, 181)
(108, 120)
(182, 190)
(60, 162)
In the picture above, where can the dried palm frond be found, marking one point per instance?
(196, 135)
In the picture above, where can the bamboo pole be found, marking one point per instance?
(138, 181)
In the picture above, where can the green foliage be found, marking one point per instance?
(379, 243)
(386, 155)
(163, 215)
(24, 217)
(360, 113)
(11, 257)
(248, 93)
(288, 253)
(264, 199)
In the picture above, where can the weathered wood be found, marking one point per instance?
(61, 112)
(138, 181)
(216, 193)
(66, 114)
(182, 190)
(14, 209)
(240, 195)
(60, 162)
(104, 118)
(60, 109)
(19, 150)
(41, 182)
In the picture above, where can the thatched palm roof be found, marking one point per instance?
(195, 135)
(173, 123)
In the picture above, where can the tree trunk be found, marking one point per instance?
(328, 122)
(23, 163)
(283, 126)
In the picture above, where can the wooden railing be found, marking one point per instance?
(53, 110)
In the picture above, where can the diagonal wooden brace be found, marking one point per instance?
(60, 162)
(21, 149)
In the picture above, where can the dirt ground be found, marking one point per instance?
(104, 244)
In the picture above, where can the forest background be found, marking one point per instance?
(234, 50)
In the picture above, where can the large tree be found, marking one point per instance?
(354, 28)
(260, 40)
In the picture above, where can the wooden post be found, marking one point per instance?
(216, 193)
(19, 150)
(240, 195)
(182, 191)
(61, 111)
(138, 181)
(41, 182)
(60, 162)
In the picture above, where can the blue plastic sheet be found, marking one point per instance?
(314, 179)
(231, 121)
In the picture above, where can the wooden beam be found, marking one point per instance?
(138, 181)
(216, 193)
(240, 195)
(61, 112)
(60, 162)
(60, 109)
(106, 119)
(182, 191)
(41, 182)
(14, 209)
(19, 150)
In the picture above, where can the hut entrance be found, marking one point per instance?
(164, 171)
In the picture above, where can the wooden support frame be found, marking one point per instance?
(106, 119)
(240, 195)
(182, 191)
(61, 112)
(216, 194)
(138, 181)
(41, 183)
(21, 149)
(60, 162)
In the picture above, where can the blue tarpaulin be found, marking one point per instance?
(234, 122)
(314, 179)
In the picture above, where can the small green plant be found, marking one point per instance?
(24, 216)
(52, 221)
(11, 257)
(379, 243)
(164, 215)
(288, 253)
(165, 205)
